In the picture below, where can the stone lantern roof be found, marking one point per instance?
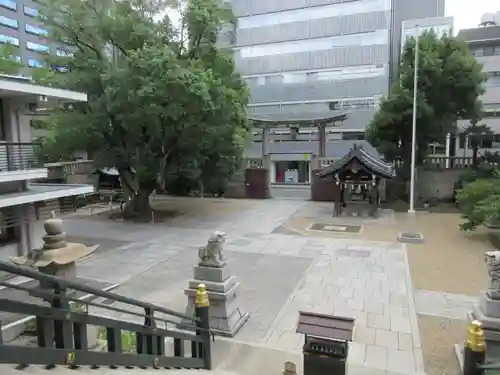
(56, 250)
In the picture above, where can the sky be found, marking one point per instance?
(468, 14)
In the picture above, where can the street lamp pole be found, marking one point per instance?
(414, 124)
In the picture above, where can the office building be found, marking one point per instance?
(19, 27)
(318, 58)
(484, 44)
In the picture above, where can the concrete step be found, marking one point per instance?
(229, 357)
(61, 370)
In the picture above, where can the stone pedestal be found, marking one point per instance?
(65, 271)
(487, 311)
(226, 317)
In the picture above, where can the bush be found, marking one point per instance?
(479, 202)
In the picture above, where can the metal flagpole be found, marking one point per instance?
(414, 125)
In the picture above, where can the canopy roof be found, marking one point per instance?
(13, 86)
(304, 119)
(375, 165)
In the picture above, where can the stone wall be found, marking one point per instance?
(437, 184)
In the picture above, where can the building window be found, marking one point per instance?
(353, 136)
(37, 47)
(35, 30)
(9, 22)
(345, 73)
(493, 79)
(491, 114)
(62, 69)
(480, 51)
(352, 104)
(314, 13)
(34, 63)
(29, 11)
(9, 4)
(63, 53)
(317, 44)
(9, 39)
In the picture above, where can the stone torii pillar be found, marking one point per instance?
(321, 140)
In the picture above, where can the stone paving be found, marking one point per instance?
(445, 305)
(280, 274)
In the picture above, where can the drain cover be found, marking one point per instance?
(338, 228)
(410, 237)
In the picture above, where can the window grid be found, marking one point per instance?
(485, 51)
(313, 13)
(332, 105)
(345, 73)
(318, 44)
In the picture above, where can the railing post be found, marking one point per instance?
(202, 312)
(474, 350)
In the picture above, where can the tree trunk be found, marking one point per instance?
(474, 153)
(136, 203)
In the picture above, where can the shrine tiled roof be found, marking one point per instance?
(371, 162)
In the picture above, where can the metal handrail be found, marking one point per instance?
(490, 366)
(68, 284)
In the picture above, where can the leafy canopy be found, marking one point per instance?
(450, 81)
(9, 59)
(164, 102)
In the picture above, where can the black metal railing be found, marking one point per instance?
(61, 332)
(18, 156)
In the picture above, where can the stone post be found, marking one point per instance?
(487, 311)
(226, 317)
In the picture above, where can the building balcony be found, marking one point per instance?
(18, 161)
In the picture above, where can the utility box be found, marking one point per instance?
(326, 344)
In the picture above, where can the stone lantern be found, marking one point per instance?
(56, 257)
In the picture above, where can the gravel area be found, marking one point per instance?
(438, 335)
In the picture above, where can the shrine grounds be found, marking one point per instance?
(409, 300)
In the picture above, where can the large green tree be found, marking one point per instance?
(164, 102)
(450, 81)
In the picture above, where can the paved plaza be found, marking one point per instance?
(281, 273)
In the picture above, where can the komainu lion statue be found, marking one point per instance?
(492, 260)
(212, 254)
